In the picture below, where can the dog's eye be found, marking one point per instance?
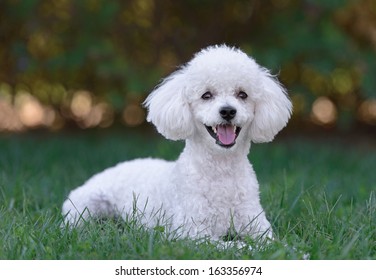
(207, 95)
(242, 95)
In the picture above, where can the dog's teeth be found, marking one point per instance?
(234, 128)
(214, 129)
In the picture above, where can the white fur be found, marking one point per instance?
(210, 189)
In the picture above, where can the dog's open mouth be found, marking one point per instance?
(224, 134)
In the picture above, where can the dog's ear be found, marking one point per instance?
(168, 109)
(272, 110)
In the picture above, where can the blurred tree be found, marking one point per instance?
(116, 51)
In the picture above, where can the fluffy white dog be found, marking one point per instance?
(219, 103)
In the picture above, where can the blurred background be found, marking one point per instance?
(89, 64)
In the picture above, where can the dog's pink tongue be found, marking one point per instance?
(226, 134)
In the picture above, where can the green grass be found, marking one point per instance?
(319, 196)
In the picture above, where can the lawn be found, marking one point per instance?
(320, 196)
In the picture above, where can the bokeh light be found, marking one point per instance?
(81, 104)
(367, 111)
(133, 115)
(324, 111)
(29, 109)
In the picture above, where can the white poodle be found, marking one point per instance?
(219, 103)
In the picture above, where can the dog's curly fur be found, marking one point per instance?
(219, 103)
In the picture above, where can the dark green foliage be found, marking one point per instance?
(119, 50)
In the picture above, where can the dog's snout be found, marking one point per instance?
(227, 113)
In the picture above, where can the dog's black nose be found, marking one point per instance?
(227, 113)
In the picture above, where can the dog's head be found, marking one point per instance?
(221, 95)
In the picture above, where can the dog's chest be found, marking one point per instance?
(214, 186)
(225, 192)
(218, 189)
